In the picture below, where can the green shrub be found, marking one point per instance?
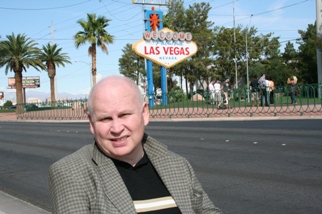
(176, 95)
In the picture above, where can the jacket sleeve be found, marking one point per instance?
(67, 192)
(199, 199)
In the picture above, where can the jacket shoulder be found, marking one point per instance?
(83, 156)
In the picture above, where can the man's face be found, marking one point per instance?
(118, 124)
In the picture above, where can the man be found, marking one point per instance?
(218, 98)
(254, 90)
(264, 87)
(124, 170)
(271, 90)
(212, 92)
(226, 88)
(292, 82)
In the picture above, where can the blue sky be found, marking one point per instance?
(46, 21)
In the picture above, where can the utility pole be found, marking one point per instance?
(235, 60)
(247, 76)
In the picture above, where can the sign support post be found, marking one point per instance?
(164, 96)
(149, 71)
(149, 74)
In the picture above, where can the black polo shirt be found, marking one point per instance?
(149, 194)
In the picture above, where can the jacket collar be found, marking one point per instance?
(113, 185)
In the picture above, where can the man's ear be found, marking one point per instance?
(146, 114)
(91, 124)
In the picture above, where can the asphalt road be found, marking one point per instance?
(244, 166)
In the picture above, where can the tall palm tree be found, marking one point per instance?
(18, 53)
(52, 56)
(94, 32)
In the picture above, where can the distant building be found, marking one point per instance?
(58, 100)
(34, 100)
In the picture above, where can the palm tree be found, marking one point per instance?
(94, 32)
(52, 56)
(18, 53)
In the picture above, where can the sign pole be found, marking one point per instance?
(149, 70)
(163, 73)
(149, 74)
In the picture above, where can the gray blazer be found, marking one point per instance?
(88, 182)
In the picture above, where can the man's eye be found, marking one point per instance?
(106, 119)
(124, 115)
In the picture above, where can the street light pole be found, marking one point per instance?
(247, 76)
(90, 76)
(247, 82)
(236, 78)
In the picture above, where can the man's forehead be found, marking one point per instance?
(113, 99)
(113, 109)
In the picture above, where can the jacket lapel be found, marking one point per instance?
(113, 185)
(174, 181)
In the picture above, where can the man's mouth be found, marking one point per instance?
(119, 139)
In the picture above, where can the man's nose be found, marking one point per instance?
(117, 126)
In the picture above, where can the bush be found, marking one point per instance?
(176, 95)
(31, 107)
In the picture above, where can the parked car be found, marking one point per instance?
(12, 107)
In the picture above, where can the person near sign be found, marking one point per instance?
(225, 87)
(255, 91)
(218, 97)
(292, 83)
(211, 92)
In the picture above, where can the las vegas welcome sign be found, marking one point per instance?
(165, 47)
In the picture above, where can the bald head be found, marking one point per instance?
(114, 86)
(117, 118)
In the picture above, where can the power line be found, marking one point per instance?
(52, 8)
(224, 5)
(269, 11)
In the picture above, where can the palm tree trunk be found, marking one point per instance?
(93, 79)
(94, 63)
(19, 101)
(52, 91)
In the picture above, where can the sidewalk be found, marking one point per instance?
(8, 116)
(263, 116)
(12, 205)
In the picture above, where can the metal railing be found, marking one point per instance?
(59, 110)
(196, 105)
